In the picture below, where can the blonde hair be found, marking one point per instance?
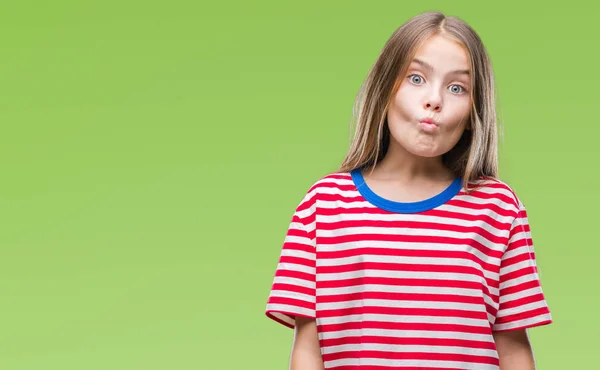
(476, 153)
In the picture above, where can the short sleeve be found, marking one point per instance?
(522, 303)
(293, 291)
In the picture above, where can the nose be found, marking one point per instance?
(436, 107)
(433, 102)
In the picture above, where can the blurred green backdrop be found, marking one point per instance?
(152, 154)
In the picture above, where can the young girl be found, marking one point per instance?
(414, 255)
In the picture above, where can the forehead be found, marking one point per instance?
(444, 53)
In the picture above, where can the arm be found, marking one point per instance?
(306, 352)
(514, 350)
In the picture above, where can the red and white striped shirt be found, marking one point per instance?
(408, 285)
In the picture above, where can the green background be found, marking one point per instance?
(152, 154)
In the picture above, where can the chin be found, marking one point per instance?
(426, 152)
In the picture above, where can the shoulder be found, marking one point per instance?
(496, 190)
(331, 181)
(328, 184)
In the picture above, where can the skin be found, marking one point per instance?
(306, 352)
(436, 86)
(514, 350)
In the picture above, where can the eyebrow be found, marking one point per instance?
(430, 68)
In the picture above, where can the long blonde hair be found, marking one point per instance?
(476, 153)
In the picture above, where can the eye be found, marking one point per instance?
(416, 79)
(457, 89)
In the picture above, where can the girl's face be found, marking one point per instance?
(436, 87)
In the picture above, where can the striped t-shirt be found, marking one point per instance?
(408, 285)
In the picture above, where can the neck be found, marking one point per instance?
(402, 165)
